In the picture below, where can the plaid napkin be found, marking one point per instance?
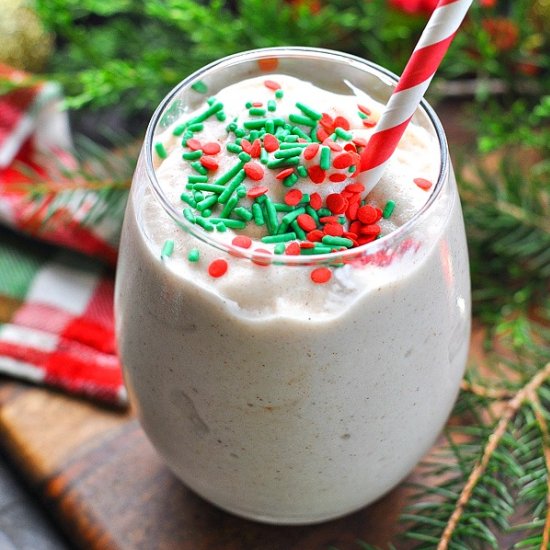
(56, 305)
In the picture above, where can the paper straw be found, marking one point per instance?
(418, 73)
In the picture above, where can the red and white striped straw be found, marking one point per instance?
(418, 73)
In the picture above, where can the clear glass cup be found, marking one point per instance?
(273, 398)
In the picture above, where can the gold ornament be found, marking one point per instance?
(24, 43)
(541, 10)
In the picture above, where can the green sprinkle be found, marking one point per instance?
(316, 250)
(342, 220)
(322, 212)
(229, 206)
(352, 168)
(282, 207)
(230, 174)
(221, 116)
(234, 148)
(292, 143)
(245, 157)
(221, 227)
(257, 111)
(167, 249)
(191, 155)
(279, 93)
(243, 213)
(235, 182)
(388, 209)
(337, 241)
(271, 216)
(198, 167)
(211, 100)
(341, 133)
(196, 127)
(188, 215)
(313, 213)
(299, 231)
(232, 224)
(288, 153)
(241, 191)
(300, 119)
(208, 113)
(204, 223)
(283, 162)
(264, 156)
(240, 133)
(324, 161)
(178, 130)
(301, 133)
(289, 181)
(231, 127)
(161, 151)
(308, 111)
(198, 195)
(261, 199)
(194, 255)
(195, 178)
(254, 134)
(209, 201)
(255, 124)
(188, 199)
(258, 214)
(279, 248)
(206, 213)
(200, 87)
(362, 115)
(271, 105)
(270, 126)
(304, 199)
(209, 187)
(281, 238)
(302, 171)
(291, 216)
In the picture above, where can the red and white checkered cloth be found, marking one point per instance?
(56, 306)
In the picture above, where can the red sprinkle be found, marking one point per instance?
(329, 219)
(364, 239)
(341, 122)
(337, 177)
(327, 122)
(293, 197)
(209, 163)
(242, 241)
(211, 148)
(423, 183)
(369, 124)
(355, 188)
(351, 212)
(333, 229)
(321, 275)
(293, 249)
(194, 144)
(315, 201)
(254, 192)
(364, 110)
(310, 151)
(333, 145)
(322, 134)
(350, 147)
(360, 142)
(315, 236)
(316, 174)
(370, 230)
(246, 146)
(256, 149)
(344, 160)
(355, 227)
(258, 260)
(306, 222)
(350, 235)
(307, 244)
(254, 171)
(257, 104)
(271, 143)
(271, 84)
(336, 203)
(284, 173)
(217, 268)
(367, 214)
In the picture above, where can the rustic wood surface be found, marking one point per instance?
(101, 479)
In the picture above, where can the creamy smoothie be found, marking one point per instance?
(293, 347)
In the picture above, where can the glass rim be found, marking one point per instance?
(282, 259)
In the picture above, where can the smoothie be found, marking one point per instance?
(293, 347)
